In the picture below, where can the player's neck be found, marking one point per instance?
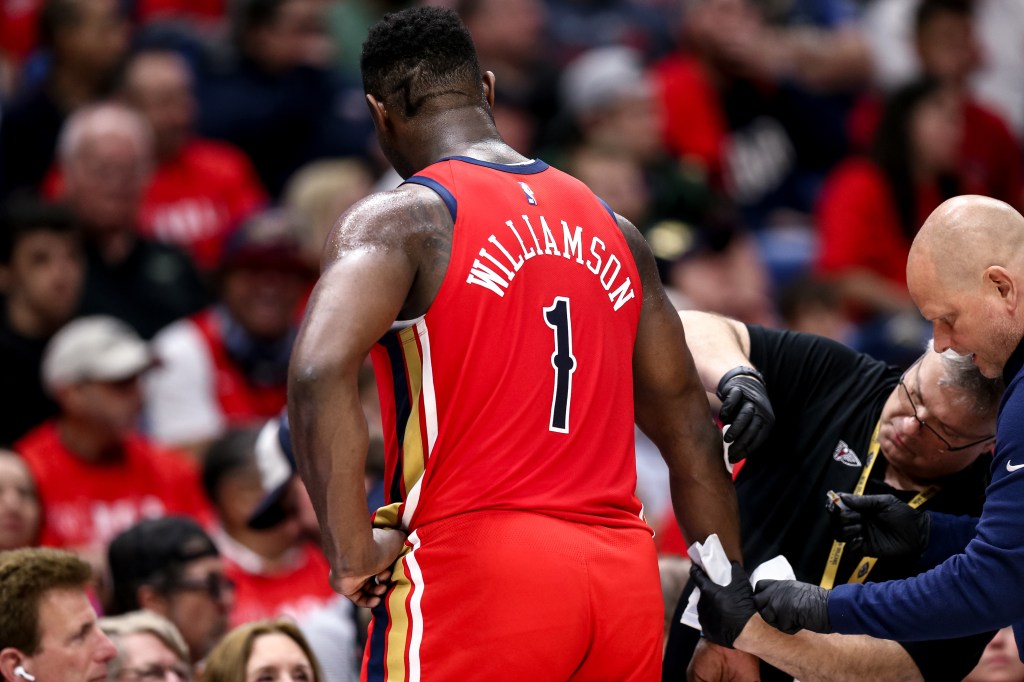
(468, 131)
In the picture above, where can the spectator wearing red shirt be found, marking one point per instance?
(871, 208)
(990, 157)
(200, 189)
(96, 475)
(227, 365)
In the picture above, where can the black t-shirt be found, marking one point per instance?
(827, 400)
(23, 403)
(156, 285)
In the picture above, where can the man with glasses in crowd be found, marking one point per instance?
(170, 566)
(813, 416)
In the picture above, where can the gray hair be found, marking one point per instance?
(101, 119)
(142, 622)
(981, 393)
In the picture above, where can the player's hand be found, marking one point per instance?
(368, 588)
(713, 663)
(747, 411)
(880, 526)
(724, 609)
(791, 606)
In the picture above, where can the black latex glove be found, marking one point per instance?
(724, 609)
(880, 526)
(746, 409)
(792, 606)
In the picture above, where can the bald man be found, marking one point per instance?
(966, 274)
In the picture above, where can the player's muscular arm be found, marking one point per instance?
(811, 657)
(383, 261)
(717, 344)
(672, 409)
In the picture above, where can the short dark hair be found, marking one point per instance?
(55, 16)
(26, 576)
(929, 9)
(23, 215)
(250, 15)
(232, 452)
(154, 552)
(419, 54)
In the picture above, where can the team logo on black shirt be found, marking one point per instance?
(844, 454)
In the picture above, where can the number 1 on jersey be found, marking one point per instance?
(557, 317)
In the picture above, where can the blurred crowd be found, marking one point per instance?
(169, 170)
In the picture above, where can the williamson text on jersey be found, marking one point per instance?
(498, 265)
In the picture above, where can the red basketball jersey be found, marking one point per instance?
(515, 390)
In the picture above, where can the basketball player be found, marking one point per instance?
(517, 328)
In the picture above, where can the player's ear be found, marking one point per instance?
(378, 112)
(488, 85)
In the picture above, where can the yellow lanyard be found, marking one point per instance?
(828, 580)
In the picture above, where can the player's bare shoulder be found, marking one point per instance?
(410, 221)
(642, 256)
(408, 217)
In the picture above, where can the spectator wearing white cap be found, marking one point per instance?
(95, 473)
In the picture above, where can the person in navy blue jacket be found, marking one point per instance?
(965, 272)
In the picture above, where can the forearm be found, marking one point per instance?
(717, 344)
(949, 535)
(829, 59)
(810, 656)
(330, 439)
(703, 495)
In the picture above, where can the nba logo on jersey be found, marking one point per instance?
(528, 191)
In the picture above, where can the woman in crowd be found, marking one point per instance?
(19, 503)
(265, 651)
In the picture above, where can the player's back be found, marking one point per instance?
(515, 390)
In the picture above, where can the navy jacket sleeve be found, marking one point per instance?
(977, 590)
(949, 536)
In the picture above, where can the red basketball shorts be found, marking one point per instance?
(520, 596)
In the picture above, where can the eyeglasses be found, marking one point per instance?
(157, 673)
(924, 425)
(216, 585)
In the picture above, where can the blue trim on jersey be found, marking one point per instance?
(532, 168)
(609, 209)
(375, 661)
(403, 407)
(442, 191)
